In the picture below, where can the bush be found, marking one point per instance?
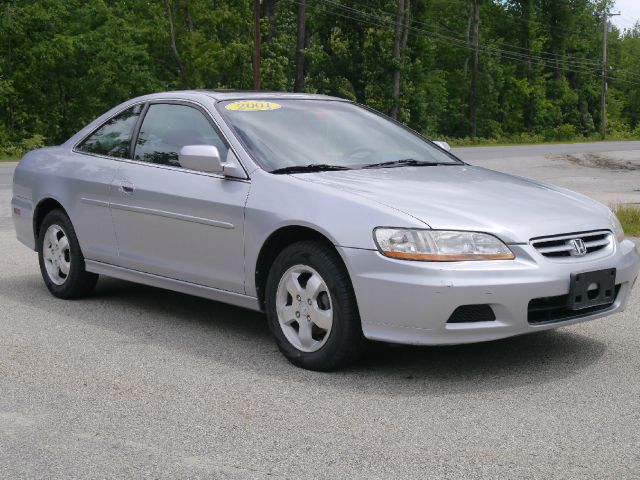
(566, 131)
(14, 151)
(31, 143)
(11, 151)
(617, 129)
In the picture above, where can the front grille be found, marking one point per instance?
(472, 313)
(563, 246)
(555, 309)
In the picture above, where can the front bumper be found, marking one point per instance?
(410, 302)
(22, 214)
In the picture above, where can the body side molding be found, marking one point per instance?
(174, 216)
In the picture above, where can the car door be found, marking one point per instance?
(93, 166)
(173, 222)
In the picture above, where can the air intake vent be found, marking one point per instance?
(471, 314)
(554, 309)
(574, 245)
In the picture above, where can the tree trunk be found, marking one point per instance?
(172, 44)
(468, 37)
(357, 76)
(187, 18)
(256, 45)
(405, 25)
(300, 47)
(528, 36)
(400, 38)
(269, 12)
(473, 98)
(528, 7)
(10, 122)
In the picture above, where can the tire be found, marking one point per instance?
(314, 271)
(61, 260)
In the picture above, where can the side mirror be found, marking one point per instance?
(204, 158)
(443, 145)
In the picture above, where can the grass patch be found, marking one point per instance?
(563, 134)
(7, 158)
(629, 217)
(524, 141)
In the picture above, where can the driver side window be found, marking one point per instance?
(167, 128)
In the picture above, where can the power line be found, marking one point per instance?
(631, 21)
(545, 26)
(579, 33)
(504, 44)
(559, 62)
(463, 43)
(376, 20)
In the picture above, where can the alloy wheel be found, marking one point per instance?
(56, 253)
(304, 308)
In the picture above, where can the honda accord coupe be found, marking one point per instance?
(337, 222)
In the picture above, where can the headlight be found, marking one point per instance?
(616, 226)
(439, 245)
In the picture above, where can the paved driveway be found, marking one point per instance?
(137, 382)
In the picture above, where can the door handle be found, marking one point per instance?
(127, 187)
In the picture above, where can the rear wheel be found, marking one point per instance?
(61, 261)
(311, 308)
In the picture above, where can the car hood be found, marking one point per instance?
(464, 197)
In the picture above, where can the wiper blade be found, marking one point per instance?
(405, 162)
(314, 167)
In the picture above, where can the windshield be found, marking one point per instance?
(281, 134)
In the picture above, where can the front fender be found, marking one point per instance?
(277, 201)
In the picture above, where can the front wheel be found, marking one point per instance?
(61, 261)
(312, 309)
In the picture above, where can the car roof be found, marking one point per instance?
(223, 95)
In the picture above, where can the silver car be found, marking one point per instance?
(337, 222)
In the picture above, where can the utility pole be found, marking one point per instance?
(473, 99)
(603, 106)
(256, 44)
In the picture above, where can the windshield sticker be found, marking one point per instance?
(252, 106)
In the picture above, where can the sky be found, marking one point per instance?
(630, 10)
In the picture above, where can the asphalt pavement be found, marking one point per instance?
(137, 382)
(6, 177)
(606, 171)
(529, 151)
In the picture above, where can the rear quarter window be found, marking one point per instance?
(113, 138)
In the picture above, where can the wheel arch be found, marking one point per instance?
(44, 206)
(278, 241)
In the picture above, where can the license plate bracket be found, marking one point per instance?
(592, 289)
